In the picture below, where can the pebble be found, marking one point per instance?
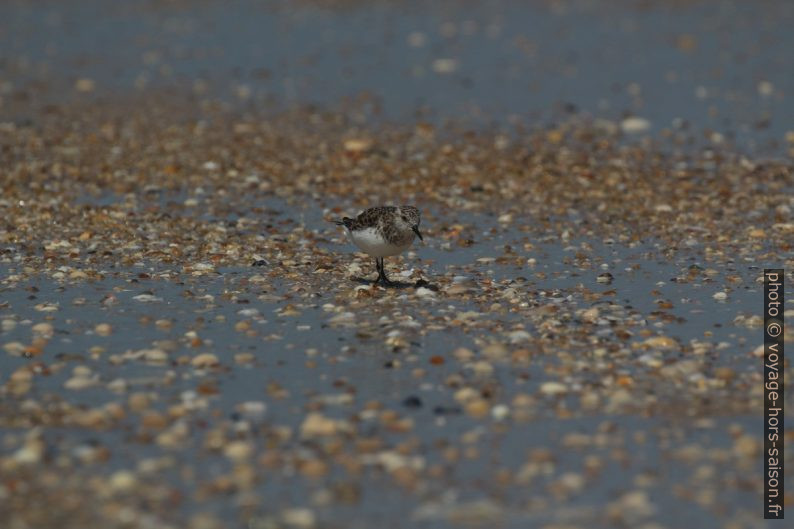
(20, 382)
(483, 512)
(553, 388)
(43, 329)
(238, 451)
(765, 88)
(84, 85)
(82, 379)
(147, 298)
(590, 400)
(500, 412)
(477, 408)
(139, 402)
(661, 342)
(495, 352)
(456, 290)
(244, 358)
(204, 360)
(31, 452)
(423, 292)
(300, 518)
(118, 385)
(317, 425)
(635, 125)
(153, 420)
(416, 39)
(466, 394)
(14, 348)
(252, 409)
(154, 356)
(632, 507)
(343, 319)
(445, 66)
(481, 368)
(314, 469)
(463, 354)
(519, 337)
(412, 402)
(358, 145)
(123, 481)
(393, 461)
(591, 315)
(103, 329)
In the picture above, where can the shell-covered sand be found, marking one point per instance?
(187, 342)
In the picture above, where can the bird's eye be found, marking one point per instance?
(405, 219)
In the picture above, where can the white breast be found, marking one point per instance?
(370, 241)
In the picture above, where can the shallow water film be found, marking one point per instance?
(188, 341)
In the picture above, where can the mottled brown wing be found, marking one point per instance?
(369, 218)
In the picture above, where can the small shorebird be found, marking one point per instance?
(383, 231)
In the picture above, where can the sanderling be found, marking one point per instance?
(383, 231)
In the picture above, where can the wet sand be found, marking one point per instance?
(188, 342)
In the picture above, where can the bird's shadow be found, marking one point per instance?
(399, 285)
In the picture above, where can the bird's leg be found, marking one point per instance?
(382, 274)
(379, 267)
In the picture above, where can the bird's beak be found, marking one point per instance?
(416, 231)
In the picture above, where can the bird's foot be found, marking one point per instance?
(385, 281)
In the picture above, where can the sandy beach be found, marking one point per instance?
(186, 341)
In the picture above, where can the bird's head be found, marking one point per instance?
(409, 215)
